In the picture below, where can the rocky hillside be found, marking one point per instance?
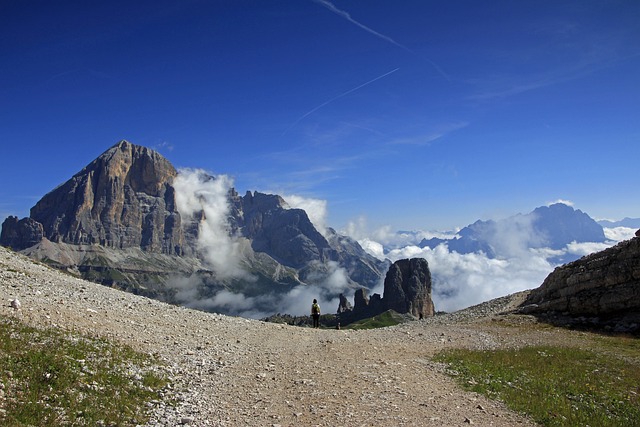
(119, 222)
(601, 289)
(228, 371)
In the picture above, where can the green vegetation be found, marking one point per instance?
(558, 386)
(52, 378)
(388, 318)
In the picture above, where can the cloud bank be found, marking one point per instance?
(202, 198)
(463, 280)
(316, 210)
(459, 280)
(296, 302)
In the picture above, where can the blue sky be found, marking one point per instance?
(413, 114)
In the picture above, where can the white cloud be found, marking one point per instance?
(462, 280)
(373, 248)
(564, 202)
(513, 236)
(316, 210)
(619, 234)
(295, 302)
(582, 249)
(358, 230)
(198, 192)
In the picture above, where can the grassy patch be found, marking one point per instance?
(388, 318)
(556, 386)
(52, 378)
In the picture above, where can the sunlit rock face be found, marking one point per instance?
(122, 199)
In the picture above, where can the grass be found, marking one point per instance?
(388, 318)
(52, 378)
(558, 386)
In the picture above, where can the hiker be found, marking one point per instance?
(315, 313)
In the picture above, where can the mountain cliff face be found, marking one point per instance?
(118, 222)
(123, 199)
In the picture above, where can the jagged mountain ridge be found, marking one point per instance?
(117, 222)
(625, 222)
(553, 226)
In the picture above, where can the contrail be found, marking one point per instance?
(348, 17)
(338, 97)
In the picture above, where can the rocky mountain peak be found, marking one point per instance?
(141, 168)
(554, 226)
(122, 199)
(560, 224)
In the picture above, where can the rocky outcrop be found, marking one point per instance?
(407, 290)
(603, 287)
(21, 234)
(344, 306)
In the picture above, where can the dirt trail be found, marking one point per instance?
(230, 371)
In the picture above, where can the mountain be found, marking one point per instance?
(553, 226)
(123, 199)
(121, 221)
(626, 222)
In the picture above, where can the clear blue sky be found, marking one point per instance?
(415, 114)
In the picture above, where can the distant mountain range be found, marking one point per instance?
(626, 222)
(553, 227)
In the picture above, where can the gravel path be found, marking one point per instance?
(229, 371)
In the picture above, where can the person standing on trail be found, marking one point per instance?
(315, 313)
